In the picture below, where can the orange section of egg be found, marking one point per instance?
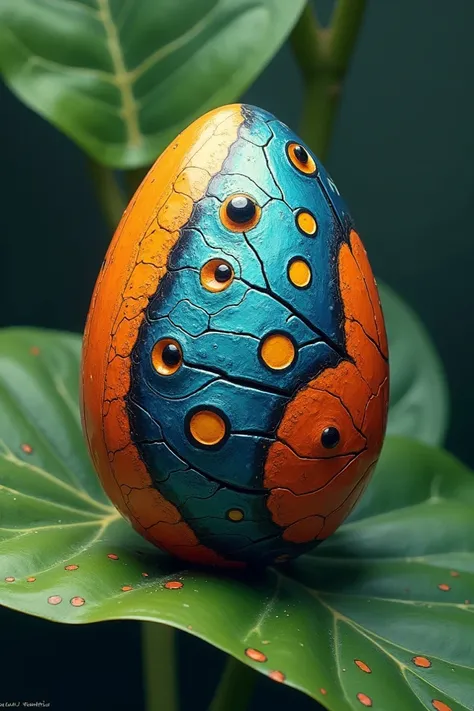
(134, 265)
(314, 489)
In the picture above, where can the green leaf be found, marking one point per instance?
(394, 583)
(122, 78)
(419, 402)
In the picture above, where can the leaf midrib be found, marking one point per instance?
(129, 106)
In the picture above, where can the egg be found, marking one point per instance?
(235, 365)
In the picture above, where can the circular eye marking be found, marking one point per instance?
(166, 356)
(207, 428)
(223, 273)
(301, 154)
(306, 223)
(300, 158)
(299, 273)
(235, 514)
(330, 437)
(216, 275)
(240, 209)
(240, 213)
(277, 351)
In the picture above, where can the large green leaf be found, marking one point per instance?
(392, 586)
(419, 403)
(122, 78)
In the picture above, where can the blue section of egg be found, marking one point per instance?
(220, 334)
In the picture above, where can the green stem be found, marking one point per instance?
(346, 22)
(323, 56)
(109, 195)
(235, 688)
(159, 668)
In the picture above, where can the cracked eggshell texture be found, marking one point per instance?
(235, 364)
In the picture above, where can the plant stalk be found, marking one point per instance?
(323, 55)
(109, 195)
(159, 667)
(235, 688)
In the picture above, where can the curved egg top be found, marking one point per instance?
(235, 377)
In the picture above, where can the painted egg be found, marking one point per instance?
(235, 365)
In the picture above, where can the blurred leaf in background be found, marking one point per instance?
(123, 78)
(419, 399)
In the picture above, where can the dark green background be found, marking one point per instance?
(403, 157)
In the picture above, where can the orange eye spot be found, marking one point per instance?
(301, 159)
(207, 428)
(240, 213)
(217, 275)
(235, 515)
(299, 273)
(277, 351)
(306, 223)
(166, 356)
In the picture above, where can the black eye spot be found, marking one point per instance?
(301, 154)
(222, 273)
(240, 209)
(171, 355)
(330, 437)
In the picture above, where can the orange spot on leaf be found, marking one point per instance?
(71, 567)
(55, 599)
(277, 676)
(145, 575)
(364, 699)
(362, 666)
(255, 655)
(173, 585)
(34, 350)
(30, 580)
(422, 662)
(27, 448)
(323, 692)
(454, 574)
(10, 579)
(127, 588)
(444, 587)
(112, 556)
(77, 601)
(440, 705)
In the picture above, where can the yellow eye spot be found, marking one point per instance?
(277, 351)
(207, 427)
(235, 514)
(300, 158)
(299, 273)
(217, 275)
(306, 223)
(166, 356)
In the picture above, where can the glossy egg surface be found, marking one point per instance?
(235, 364)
